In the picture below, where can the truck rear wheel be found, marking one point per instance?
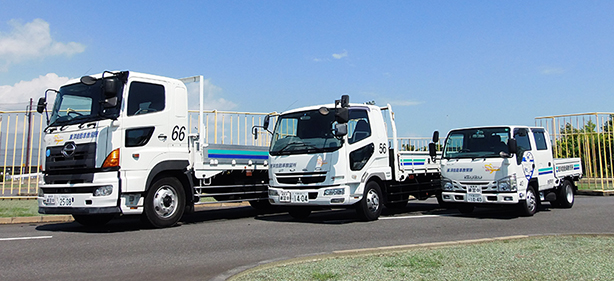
(93, 220)
(165, 202)
(565, 196)
(370, 207)
(528, 207)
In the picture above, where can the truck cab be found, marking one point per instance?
(505, 165)
(109, 139)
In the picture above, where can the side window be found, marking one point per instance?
(358, 126)
(145, 98)
(522, 139)
(540, 140)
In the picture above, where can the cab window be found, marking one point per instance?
(359, 127)
(145, 98)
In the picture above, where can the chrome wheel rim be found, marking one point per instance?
(372, 201)
(569, 194)
(531, 201)
(165, 201)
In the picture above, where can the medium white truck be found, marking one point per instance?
(342, 156)
(117, 143)
(505, 165)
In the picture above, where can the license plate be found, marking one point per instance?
(49, 199)
(474, 194)
(65, 200)
(300, 197)
(294, 197)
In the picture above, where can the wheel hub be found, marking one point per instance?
(372, 201)
(165, 201)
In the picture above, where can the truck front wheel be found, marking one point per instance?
(370, 207)
(528, 207)
(165, 202)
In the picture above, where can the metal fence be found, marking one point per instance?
(589, 136)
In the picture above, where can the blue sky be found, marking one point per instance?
(441, 64)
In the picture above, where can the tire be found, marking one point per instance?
(528, 207)
(93, 220)
(165, 202)
(370, 207)
(466, 209)
(565, 197)
(300, 213)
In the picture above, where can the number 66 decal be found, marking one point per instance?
(178, 133)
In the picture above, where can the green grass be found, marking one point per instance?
(537, 258)
(18, 208)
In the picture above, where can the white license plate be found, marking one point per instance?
(49, 199)
(294, 197)
(474, 194)
(65, 200)
(474, 198)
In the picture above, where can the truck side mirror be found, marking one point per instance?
(110, 87)
(341, 129)
(42, 104)
(436, 136)
(267, 119)
(345, 101)
(512, 146)
(432, 150)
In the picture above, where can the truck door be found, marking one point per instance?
(146, 131)
(544, 164)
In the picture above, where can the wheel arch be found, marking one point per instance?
(176, 169)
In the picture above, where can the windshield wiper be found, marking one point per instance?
(309, 146)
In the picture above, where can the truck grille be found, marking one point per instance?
(301, 178)
(83, 157)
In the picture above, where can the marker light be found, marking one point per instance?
(112, 159)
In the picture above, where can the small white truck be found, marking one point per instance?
(118, 143)
(505, 165)
(345, 155)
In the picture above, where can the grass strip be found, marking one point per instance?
(532, 258)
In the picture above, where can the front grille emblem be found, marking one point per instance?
(69, 150)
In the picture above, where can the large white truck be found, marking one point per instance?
(345, 155)
(118, 143)
(505, 165)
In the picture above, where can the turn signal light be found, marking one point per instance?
(112, 159)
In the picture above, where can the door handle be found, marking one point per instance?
(162, 137)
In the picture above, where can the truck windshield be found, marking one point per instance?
(78, 103)
(304, 132)
(477, 143)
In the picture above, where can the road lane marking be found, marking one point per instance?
(25, 238)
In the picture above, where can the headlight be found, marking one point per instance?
(334, 191)
(104, 190)
(507, 184)
(446, 184)
(273, 192)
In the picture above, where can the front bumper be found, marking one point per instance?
(316, 197)
(484, 198)
(79, 198)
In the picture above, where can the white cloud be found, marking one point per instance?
(213, 97)
(31, 41)
(22, 91)
(552, 70)
(341, 55)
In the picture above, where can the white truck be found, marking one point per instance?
(118, 143)
(344, 155)
(508, 165)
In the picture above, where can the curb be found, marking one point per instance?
(596, 192)
(36, 219)
(69, 218)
